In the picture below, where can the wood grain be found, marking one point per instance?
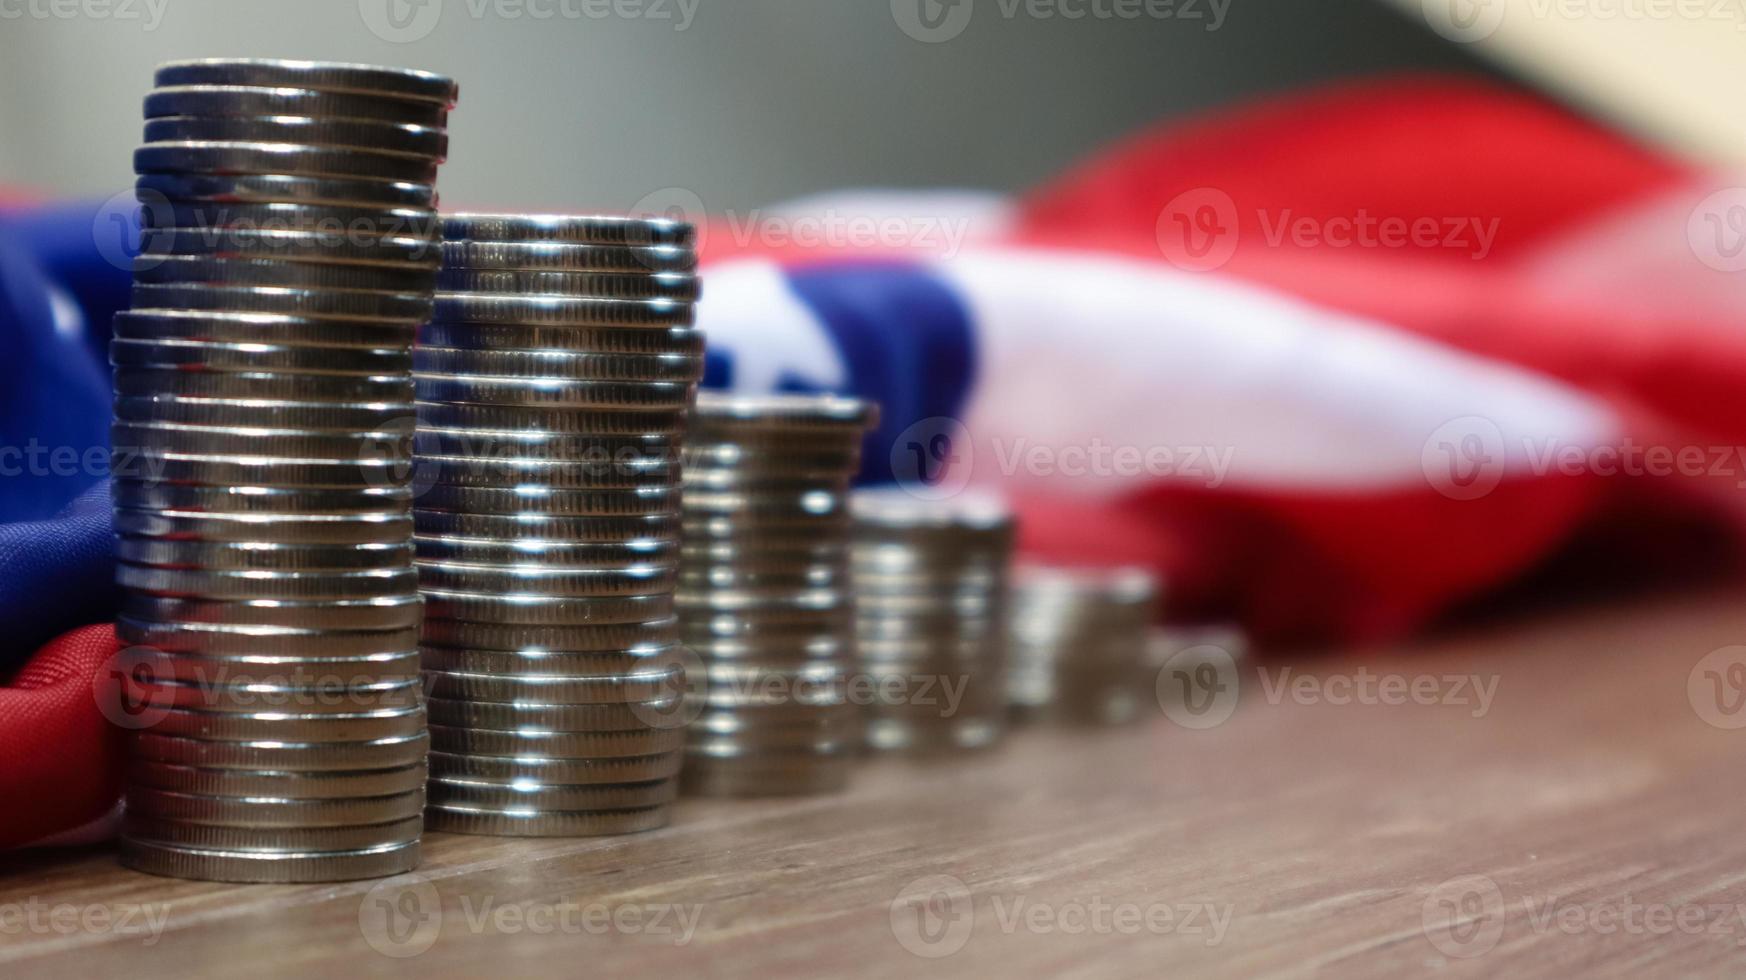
(1589, 788)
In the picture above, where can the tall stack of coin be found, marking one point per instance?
(1080, 639)
(931, 581)
(263, 408)
(764, 595)
(553, 384)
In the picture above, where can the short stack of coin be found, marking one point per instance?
(263, 409)
(764, 594)
(553, 384)
(931, 583)
(1079, 644)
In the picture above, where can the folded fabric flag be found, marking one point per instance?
(1335, 365)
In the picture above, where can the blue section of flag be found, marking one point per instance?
(906, 340)
(59, 288)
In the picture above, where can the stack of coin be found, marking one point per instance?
(263, 414)
(1080, 644)
(553, 384)
(764, 595)
(931, 582)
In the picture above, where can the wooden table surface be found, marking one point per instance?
(1581, 818)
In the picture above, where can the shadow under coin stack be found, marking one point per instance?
(931, 581)
(263, 409)
(764, 594)
(553, 385)
(1080, 644)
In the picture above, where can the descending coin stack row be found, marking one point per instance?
(1080, 644)
(263, 400)
(764, 595)
(931, 581)
(553, 384)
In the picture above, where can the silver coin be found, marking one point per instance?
(241, 640)
(288, 188)
(314, 444)
(168, 468)
(268, 585)
(571, 511)
(383, 137)
(562, 310)
(317, 304)
(605, 285)
(280, 100)
(545, 610)
(260, 413)
(567, 421)
(273, 839)
(546, 393)
(568, 449)
(535, 580)
(663, 678)
(250, 811)
(189, 355)
(277, 784)
(481, 638)
(502, 716)
(558, 364)
(581, 229)
(148, 381)
(556, 772)
(277, 673)
(654, 533)
(359, 226)
(460, 791)
(552, 552)
(234, 726)
(259, 556)
(269, 328)
(395, 252)
(529, 256)
(271, 754)
(134, 494)
(733, 412)
(386, 613)
(455, 819)
(206, 269)
(547, 744)
(269, 867)
(655, 339)
(222, 157)
(400, 83)
(561, 474)
(508, 667)
(820, 575)
(328, 697)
